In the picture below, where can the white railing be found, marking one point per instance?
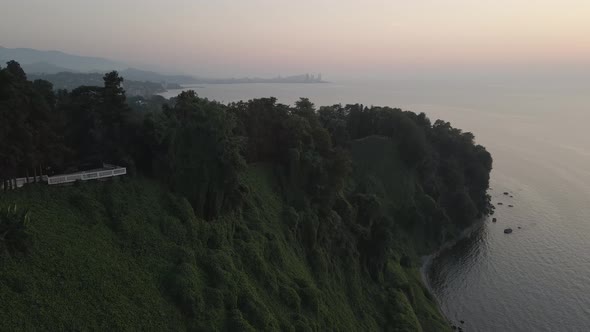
(85, 176)
(20, 182)
(108, 172)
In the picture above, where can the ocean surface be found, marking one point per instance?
(538, 132)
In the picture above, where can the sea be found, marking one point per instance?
(538, 131)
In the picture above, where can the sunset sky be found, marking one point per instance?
(335, 37)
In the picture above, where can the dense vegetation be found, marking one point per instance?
(248, 216)
(70, 81)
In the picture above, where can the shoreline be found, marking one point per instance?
(426, 262)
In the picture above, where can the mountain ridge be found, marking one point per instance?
(54, 62)
(60, 59)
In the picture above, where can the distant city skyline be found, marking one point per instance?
(373, 38)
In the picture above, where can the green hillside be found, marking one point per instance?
(249, 216)
(127, 255)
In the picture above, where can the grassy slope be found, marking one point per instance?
(127, 255)
(78, 272)
(377, 161)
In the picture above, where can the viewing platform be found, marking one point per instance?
(103, 173)
(108, 171)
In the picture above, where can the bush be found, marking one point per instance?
(183, 255)
(219, 269)
(173, 229)
(309, 224)
(184, 286)
(311, 298)
(255, 311)
(13, 235)
(290, 297)
(302, 324)
(238, 323)
(87, 206)
(213, 298)
(395, 275)
(291, 218)
(405, 261)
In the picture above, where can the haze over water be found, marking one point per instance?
(537, 278)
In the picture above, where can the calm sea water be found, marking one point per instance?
(538, 277)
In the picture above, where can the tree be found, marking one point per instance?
(114, 115)
(83, 128)
(16, 71)
(203, 158)
(28, 138)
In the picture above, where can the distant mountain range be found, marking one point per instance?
(53, 62)
(43, 68)
(56, 60)
(39, 62)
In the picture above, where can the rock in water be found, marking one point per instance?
(508, 231)
(500, 203)
(494, 220)
(505, 193)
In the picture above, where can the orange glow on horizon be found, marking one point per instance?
(230, 37)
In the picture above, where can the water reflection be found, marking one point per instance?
(538, 278)
(456, 261)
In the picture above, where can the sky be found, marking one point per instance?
(343, 38)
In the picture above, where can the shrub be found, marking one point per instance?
(290, 297)
(87, 206)
(395, 275)
(213, 297)
(183, 255)
(291, 218)
(183, 284)
(256, 312)
(310, 224)
(173, 229)
(13, 235)
(405, 261)
(311, 298)
(301, 324)
(238, 323)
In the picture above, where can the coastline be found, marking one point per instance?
(428, 259)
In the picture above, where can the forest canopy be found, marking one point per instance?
(198, 147)
(356, 193)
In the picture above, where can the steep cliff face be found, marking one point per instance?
(130, 255)
(256, 215)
